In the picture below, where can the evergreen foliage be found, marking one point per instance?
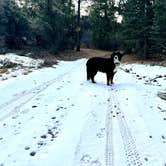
(137, 24)
(54, 25)
(104, 24)
(49, 23)
(159, 26)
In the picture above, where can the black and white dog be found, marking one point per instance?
(105, 65)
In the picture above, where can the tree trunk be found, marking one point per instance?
(78, 27)
(145, 35)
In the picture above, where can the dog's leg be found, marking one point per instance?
(88, 76)
(112, 79)
(108, 78)
(88, 72)
(93, 75)
(92, 78)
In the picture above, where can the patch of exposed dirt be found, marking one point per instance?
(70, 55)
(4, 70)
(87, 53)
(156, 60)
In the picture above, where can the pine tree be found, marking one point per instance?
(51, 21)
(78, 26)
(137, 24)
(104, 24)
(159, 27)
(3, 18)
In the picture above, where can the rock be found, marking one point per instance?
(34, 106)
(53, 117)
(43, 136)
(162, 95)
(33, 153)
(27, 148)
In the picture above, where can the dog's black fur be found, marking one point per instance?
(105, 65)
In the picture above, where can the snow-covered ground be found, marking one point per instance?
(54, 117)
(21, 65)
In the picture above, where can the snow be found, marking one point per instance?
(23, 60)
(53, 116)
(24, 65)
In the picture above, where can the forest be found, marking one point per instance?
(57, 25)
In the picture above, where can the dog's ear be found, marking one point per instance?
(121, 54)
(113, 53)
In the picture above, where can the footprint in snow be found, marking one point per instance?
(15, 117)
(96, 163)
(85, 159)
(101, 133)
(41, 143)
(59, 88)
(55, 128)
(51, 133)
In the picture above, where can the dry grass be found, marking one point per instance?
(70, 55)
(83, 53)
(3, 70)
(26, 71)
(137, 59)
(87, 53)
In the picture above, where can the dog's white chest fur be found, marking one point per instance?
(116, 68)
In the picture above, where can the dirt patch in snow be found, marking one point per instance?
(71, 55)
(156, 60)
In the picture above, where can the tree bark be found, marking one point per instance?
(78, 27)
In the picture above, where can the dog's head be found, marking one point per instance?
(117, 56)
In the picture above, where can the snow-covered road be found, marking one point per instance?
(54, 117)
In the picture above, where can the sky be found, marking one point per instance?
(86, 4)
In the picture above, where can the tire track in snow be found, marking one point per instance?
(131, 152)
(109, 140)
(93, 132)
(29, 95)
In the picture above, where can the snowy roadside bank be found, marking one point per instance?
(12, 65)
